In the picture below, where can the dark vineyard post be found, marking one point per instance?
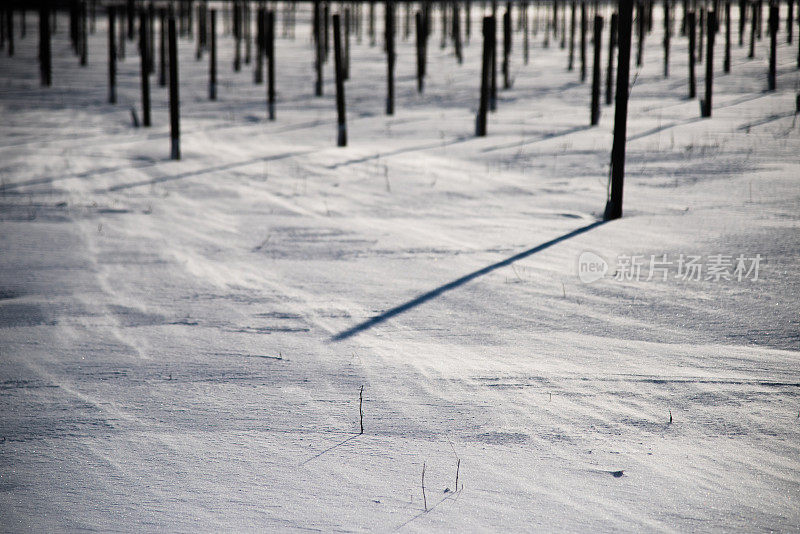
(753, 21)
(773, 45)
(555, 19)
(45, 60)
(443, 9)
(201, 38)
(151, 38)
(506, 46)
(667, 35)
(711, 26)
(726, 66)
(563, 29)
(174, 105)
(457, 33)
(269, 34)
(702, 30)
(338, 66)
(162, 47)
(84, 48)
(130, 13)
(346, 46)
(685, 10)
(525, 38)
(406, 22)
(640, 31)
(112, 56)
(420, 25)
(248, 34)
(571, 60)
(742, 20)
(612, 44)
(692, 30)
(613, 208)
(144, 68)
(390, 57)
(789, 22)
(584, 23)
(598, 46)
(483, 108)
(212, 57)
(372, 22)
(760, 17)
(493, 94)
(237, 36)
(258, 75)
(318, 44)
(326, 34)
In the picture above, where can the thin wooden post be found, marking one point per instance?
(372, 22)
(247, 34)
(774, 22)
(726, 66)
(598, 46)
(390, 57)
(507, 46)
(571, 60)
(584, 23)
(112, 55)
(162, 47)
(789, 21)
(702, 32)
(130, 15)
(742, 20)
(326, 33)
(258, 72)
(151, 38)
(753, 22)
(612, 45)
(83, 46)
(346, 45)
(525, 38)
(711, 25)
(613, 208)
(269, 31)
(237, 36)
(483, 107)
(212, 57)
(457, 33)
(493, 95)
(340, 101)
(144, 68)
(318, 45)
(692, 30)
(420, 27)
(45, 59)
(667, 35)
(174, 104)
(641, 31)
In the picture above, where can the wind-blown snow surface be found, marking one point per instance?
(174, 335)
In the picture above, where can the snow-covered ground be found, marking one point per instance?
(183, 344)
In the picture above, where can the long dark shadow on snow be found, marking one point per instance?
(188, 174)
(406, 150)
(425, 297)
